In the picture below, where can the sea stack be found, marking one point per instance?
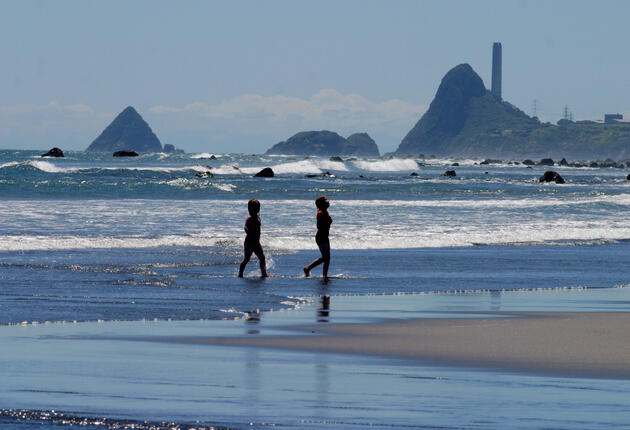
(325, 143)
(128, 131)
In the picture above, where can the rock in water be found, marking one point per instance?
(125, 154)
(128, 131)
(265, 173)
(55, 152)
(326, 142)
(206, 174)
(450, 173)
(361, 144)
(563, 163)
(336, 158)
(546, 162)
(551, 176)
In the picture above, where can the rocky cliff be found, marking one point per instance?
(326, 143)
(464, 119)
(128, 131)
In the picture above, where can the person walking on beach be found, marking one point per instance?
(321, 238)
(252, 239)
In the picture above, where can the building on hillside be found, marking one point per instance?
(612, 118)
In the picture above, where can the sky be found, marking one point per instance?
(240, 76)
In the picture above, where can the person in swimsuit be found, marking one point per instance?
(321, 238)
(252, 239)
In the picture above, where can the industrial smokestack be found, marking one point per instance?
(496, 69)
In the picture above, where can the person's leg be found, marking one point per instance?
(325, 249)
(247, 255)
(316, 262)
(261, 259)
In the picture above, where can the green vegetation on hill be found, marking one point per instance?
(465, 119)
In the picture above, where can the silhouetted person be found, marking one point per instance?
(252, 239)
(323, 227)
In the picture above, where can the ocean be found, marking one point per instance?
(95, 244)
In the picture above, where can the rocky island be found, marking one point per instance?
(326, 143)
(127, 132)
(465, 119)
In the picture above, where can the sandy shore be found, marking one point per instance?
(570, 344)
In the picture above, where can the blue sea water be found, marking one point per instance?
(91, 238)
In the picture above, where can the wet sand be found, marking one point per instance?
(568, 344)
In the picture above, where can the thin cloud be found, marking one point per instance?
(327, 109)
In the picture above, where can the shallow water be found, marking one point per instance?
(93, 249)
(86, 372)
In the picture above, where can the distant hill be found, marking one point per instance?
(326, 143)
(128, 131)
(465, 119)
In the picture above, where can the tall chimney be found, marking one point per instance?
(496, 69)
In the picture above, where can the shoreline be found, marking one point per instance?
(574, 344)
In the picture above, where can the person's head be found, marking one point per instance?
(322, 203)
(253, 206)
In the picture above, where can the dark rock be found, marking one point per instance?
(516, 163)
(490, 161)
(55, 152)
(169, 148)
(628, 177)
(563, 162)
(128, 131)
(125, 153)
(413, 174)
(360, 144)
(447, 113)
(455, 165)
(464, 119)
(450, 173)
(326, 143)
(204, 175)
(529, 167)
(265, 173)
(551, 176)
(546, 162)
(336, 158)
(320, 175)
(609, 163)
(528, 162)
(594, 164)
(361, 176)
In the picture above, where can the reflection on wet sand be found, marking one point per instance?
(323, 312)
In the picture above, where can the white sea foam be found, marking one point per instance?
(10, 164)
(393, 165)
(225, 187)
(46, 166)
(290, 224)
(203, 155)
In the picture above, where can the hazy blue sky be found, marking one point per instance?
(243, 75)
